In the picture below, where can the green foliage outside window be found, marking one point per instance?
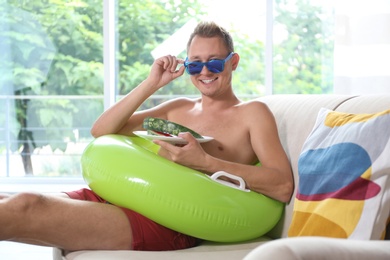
(303, 62)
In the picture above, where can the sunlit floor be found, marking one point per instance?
(18, 251)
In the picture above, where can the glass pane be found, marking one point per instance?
(303, 47)
(152, 28)
(51, 84)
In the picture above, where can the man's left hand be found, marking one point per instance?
(190, 154)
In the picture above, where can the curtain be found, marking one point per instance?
(362, 47)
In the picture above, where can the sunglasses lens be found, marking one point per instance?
(215, 66)
(194, 68)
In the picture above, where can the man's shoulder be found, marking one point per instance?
(180, 102)
(255, 111)
(253, 104)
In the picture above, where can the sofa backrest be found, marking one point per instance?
(295, 117)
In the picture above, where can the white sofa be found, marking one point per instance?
(295, 116)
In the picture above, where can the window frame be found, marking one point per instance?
(52, 184)
(56, 184)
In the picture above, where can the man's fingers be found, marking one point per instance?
(187, 136)
(172, 148)
(167, 146)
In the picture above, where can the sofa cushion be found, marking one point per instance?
(207, 250)
(344, 177)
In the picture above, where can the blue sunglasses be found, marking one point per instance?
(214, 66)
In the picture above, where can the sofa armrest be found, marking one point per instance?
(321, 248)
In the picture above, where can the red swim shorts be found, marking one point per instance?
(147, 234)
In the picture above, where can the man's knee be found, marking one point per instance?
(26, 202)
(4, 196)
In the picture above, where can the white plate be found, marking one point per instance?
(172, 140)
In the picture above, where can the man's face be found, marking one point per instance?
(203, 50)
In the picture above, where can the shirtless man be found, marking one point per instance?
(244, 133)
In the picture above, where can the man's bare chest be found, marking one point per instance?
(231, 137)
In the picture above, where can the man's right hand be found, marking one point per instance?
(164, 70)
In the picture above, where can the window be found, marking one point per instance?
(62, 63)
(303, 47)
(51, 82)
(142, 39)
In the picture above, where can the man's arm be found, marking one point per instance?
(119, 118)
(274, 178)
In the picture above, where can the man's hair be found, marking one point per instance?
(209, 30)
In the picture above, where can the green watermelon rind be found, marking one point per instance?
(166, 126)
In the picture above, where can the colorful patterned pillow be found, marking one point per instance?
(344, 177)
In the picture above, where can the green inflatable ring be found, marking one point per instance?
(126, 171)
